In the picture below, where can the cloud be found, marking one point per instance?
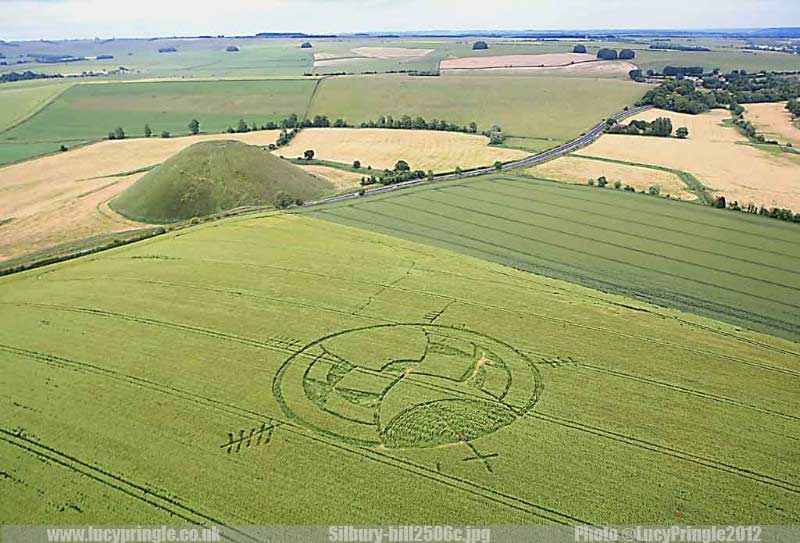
(33, 19)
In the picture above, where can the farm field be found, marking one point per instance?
(88, 112)
(382, 148)
(539, 112)
(733, 267)
(19, 102)
(339, 178)
(515, 61)
(774, 122)
(59, 198)
(194, 58)
(577, 170)
(226, 415)
(717, 154)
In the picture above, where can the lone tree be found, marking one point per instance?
(309, 154)
(194, 126)
(682, 133)
(147, 131)
(498, 165)
(580, 48)
(627, 54)
(480, 46)
(357, 164)
(402, 166)
(119, 133)
(607, 54)
(306, 45)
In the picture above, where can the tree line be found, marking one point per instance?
(779, 213)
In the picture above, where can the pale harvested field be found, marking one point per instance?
(606, 69)
(54, 199)
(515, 61)
(774, 122)
(339, 178)
(717, 155)
(576, 170)
(391, 52)
(379, 148)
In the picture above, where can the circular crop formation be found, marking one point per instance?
(406, 385)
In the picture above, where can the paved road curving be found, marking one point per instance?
(587, 138)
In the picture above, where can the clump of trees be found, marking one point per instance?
(480, 46)
(793, 107)
(117, 134)
(661, 127)
(680, 95)
(402, 172)
(167, 50)
(306, 45)
(627, 54)
(580, 48)
(607, 54)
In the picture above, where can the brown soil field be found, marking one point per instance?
(576, 170)
(380, 148)
(774, 122)
(391, 52)
(718, 155)
(55, 199)
(339, 178)
(515, 61)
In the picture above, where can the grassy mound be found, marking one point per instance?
(214, 176)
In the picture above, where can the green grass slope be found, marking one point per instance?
(729, 266)
(123, 375)
(214, 176)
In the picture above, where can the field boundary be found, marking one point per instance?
(692, 182)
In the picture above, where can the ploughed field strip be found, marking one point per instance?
(401, 384)
(731, 267)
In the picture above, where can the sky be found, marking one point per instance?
(57, 19)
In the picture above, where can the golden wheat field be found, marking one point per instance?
(379, 148)
(577, 170)
(774, 122)
(515, 61)
(55, 199)
(339, 178)
(717, 154)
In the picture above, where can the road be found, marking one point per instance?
(586, 139)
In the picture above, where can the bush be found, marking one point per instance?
(232, 49)
(617, 184)
(682, 133)
(306, 45)
(119, 133)
(64, 148)
(357, 164)
(282, 200)
(654, 190)
(165, 134)
(607, 54)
